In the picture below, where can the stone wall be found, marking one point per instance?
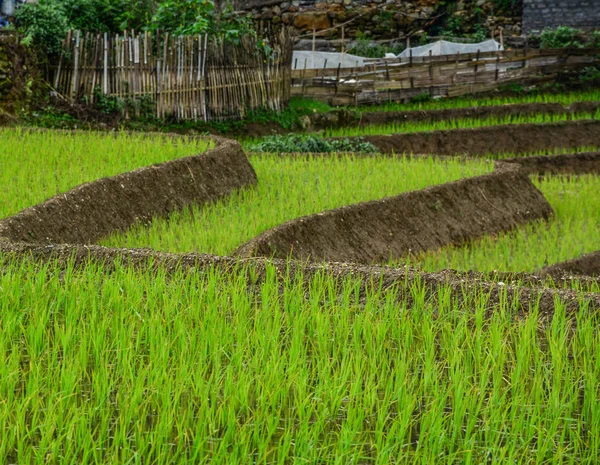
(383, 19)
(540, 14)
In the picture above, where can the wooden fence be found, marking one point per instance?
(397, 79)
(189, 77)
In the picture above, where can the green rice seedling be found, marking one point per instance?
(290, 187)
(463, 123)
(574, 231)
(126, 365)
(39, 164)
(566, 98)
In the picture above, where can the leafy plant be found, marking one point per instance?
(421, 97)
(562, 37)
(106, 103)
(311, 144)
(185, 17)
(44, 25)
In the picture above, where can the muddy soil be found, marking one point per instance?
(413, 222)
(574, 163)
(395, 282)
(586, 265)
(96, 209)
(518, 138)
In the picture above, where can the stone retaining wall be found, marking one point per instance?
(541, 14)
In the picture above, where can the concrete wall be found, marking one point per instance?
(540, 14)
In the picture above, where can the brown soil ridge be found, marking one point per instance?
(395, 282)
(481, 112)
(572, 163)
(98, 208)
(410, 223)
(586, 265)
(514, 138)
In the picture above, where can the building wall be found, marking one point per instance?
(540, 14)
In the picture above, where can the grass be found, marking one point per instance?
(138, 367)
(290, 187)
(293, 187)
(38, 165)
(574, 231)
(565, 98)
(464, 123)
(132, 366)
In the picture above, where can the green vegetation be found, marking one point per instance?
(575, 230)
(103, 365)
(569, 37)
(289, 188)
(466, 123)
(564, 98)
(110, 367)
(311, 144)
(45, 23)
(39, 164)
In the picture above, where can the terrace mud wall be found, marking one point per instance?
(517, 138)
(573, 163)
(91, 211)
(96, 209)
(414, 222)
(525, 291)
(586, 265)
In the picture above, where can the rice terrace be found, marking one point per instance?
(212, 253)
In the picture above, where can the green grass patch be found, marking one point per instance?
(566, 98)
(290, 187)
(574, 231)
(127, 366)
(39, 165)
(447, 125)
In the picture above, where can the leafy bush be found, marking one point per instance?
(185, 17)
(421, 97)
(562, 37)
(43, 25)
(312, 144)
(590, 74)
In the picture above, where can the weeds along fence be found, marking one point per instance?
(399, 79)
(191, 77)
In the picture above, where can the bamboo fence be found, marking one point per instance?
(191, 77)
(399, 79)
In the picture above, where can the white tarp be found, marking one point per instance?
(443, 47)
(316, 60)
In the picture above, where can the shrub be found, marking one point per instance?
(421, 97)
(312, 144)
(562, 37)
(43, 25)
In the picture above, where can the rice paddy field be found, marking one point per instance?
(564, 98)
(118, 364)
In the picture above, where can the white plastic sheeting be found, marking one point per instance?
(318, 60)
(443, 47)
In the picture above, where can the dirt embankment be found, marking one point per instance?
(96, 209)
(517, 138)
(413, 222)
(586, 265)
(396, 281)
(572, 163)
